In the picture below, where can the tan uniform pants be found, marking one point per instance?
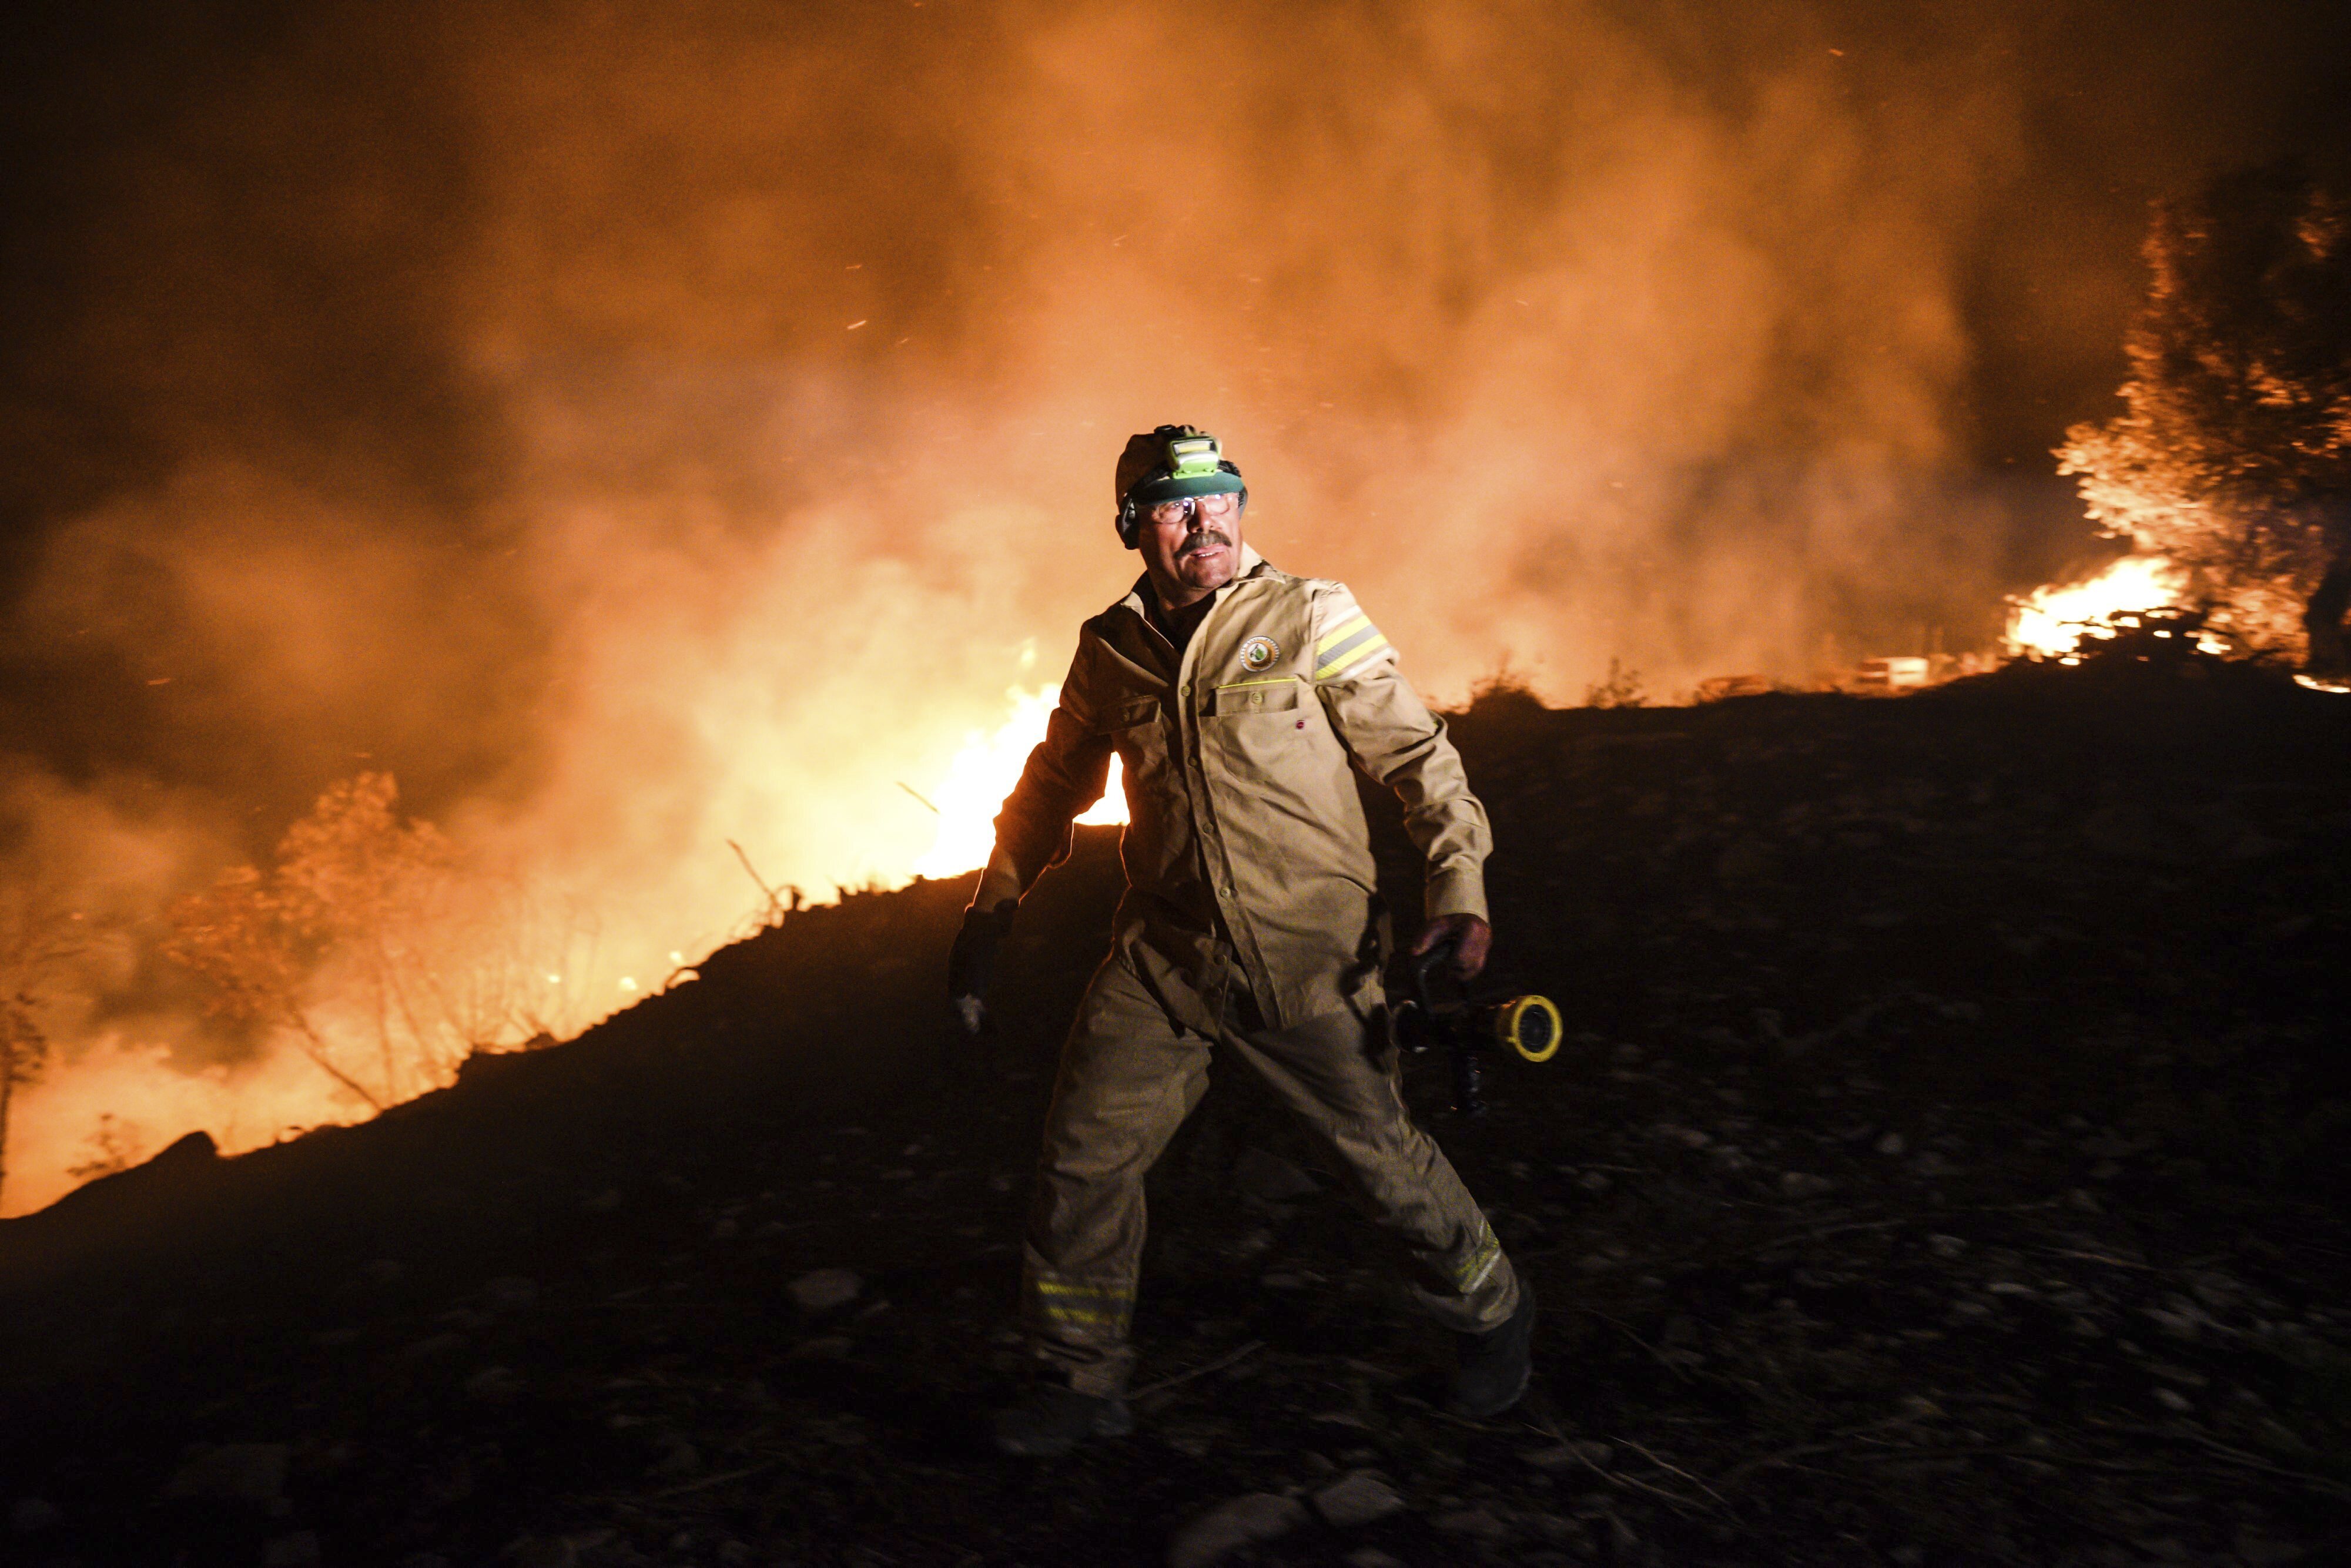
(1130, 1075)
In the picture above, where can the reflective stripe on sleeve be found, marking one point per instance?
(1345, 630)
(1350, 654)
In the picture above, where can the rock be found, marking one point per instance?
(2173, 1401)
(2258, 1551)
(494, 1384)
(541, 1551)
(679, 1458)
(425, 1349)
(231, 1472)
(31, 1515)
(828, 1347)
(1357, 1498)
(1892, 1144)
(1557, 1530)
(604, 1202)
(1746, 860)
(1801, 1184)
(298, 1549)
(1371, 1557)
(825, 1290)
(384, 1271)
(1229, 1526)
(1568, 1456)
(1479, 1522)
(1687, 1137)
(1946, 1247)
(510, 1294)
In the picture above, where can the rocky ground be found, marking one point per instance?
(1947, 1166)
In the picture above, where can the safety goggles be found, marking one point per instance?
(1185, 509)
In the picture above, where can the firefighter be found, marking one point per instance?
(1237, 698)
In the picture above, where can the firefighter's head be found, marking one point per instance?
(1180, 503)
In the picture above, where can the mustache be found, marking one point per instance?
(1201, 540)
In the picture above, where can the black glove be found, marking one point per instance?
(971, 963)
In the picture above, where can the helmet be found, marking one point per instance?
(1168, 465)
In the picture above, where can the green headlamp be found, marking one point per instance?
(1193, 456)
(1168, 465)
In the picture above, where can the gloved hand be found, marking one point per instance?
(971, 963)
(1471, 937)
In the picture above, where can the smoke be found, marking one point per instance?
(639, 428)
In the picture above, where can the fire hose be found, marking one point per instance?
(1462, 1025)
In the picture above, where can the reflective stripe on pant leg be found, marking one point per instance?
(1338, 1074)
(1128, 1078)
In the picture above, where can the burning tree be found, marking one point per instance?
(369, 926)
(2232, 456)
(37, 945)
(23, 1052)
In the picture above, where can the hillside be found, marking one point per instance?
(1949, 1167)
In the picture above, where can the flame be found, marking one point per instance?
(129, 1083)
(2051, 622)
(983, 773)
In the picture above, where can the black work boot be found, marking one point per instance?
(1055, 1418)
(1497, 1365)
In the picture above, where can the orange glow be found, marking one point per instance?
(983, 774)
(693, 488)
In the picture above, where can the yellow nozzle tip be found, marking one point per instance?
(1545, 1035)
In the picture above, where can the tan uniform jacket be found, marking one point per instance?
(1246, 836)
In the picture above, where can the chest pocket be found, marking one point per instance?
(1254, 696)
